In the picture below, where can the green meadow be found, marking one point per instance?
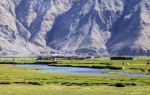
(138, 65)
(29, 81)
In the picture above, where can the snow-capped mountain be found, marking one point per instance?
(104, 27)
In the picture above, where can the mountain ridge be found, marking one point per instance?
(101, 27)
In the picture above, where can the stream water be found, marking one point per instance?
(78, 70)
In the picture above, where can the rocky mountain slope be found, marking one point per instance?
(104, 27)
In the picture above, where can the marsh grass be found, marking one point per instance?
(12, 74)
(71, 90)
(27, 81)
(138, 65)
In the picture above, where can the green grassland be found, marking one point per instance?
(21, 60)
(73, 90)
(138, 65)
(28, 81)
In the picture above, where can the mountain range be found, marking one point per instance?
(96, 27)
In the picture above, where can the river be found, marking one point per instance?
(78, 70)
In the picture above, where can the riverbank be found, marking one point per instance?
(27, 81)
(79, 70)
(137, 66)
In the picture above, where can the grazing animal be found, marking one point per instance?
(148, 63)
(124, 63)
(127, 64)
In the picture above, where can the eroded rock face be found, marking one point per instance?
(105, 27)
